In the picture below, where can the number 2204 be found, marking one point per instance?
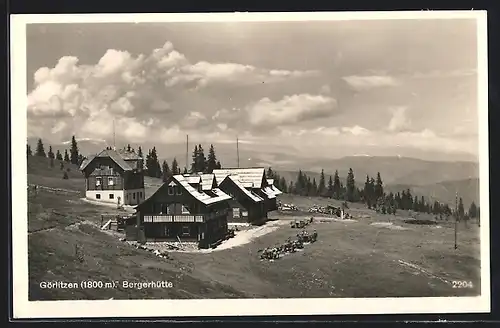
(462, 284)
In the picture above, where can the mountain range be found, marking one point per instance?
(435, 179)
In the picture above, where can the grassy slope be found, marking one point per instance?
(350, 259)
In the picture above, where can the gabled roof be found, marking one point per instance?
(269, 192)
(250, 177)
(201, 196)
(193, 179)
(128, 155)
(207, 181)
(111, 154)
(275, 190)
(247, 192)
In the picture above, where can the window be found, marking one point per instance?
(170, 190)
(111, 196)
(179, 191)
(184, 210)
(111, 181)
(98, 181)
(98, 196)
(186, 230)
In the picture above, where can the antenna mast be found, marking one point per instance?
(238, 151)
(114, 135)
(456, 218)
(187, 150)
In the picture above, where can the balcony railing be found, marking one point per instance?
(150, 218)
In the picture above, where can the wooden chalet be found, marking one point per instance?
(181, 210)
(252, 196)
(115, 177)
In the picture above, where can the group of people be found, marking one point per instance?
(290, 246)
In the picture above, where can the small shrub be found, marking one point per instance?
(65, 176)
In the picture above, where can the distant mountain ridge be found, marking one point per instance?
(428, 178)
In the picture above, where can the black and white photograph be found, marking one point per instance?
(250, 164)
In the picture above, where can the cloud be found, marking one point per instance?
(290, 109)
(363, 83)
(73, 98)
(444, 74)
(399, 121)
(194, 120)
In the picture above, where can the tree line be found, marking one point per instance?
(73, 157)
(372, 194)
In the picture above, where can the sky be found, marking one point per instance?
(381, 87)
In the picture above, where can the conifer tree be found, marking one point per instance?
(58, 155)
(350, 186)
(139, 152)
(129, 149)
(211, 160)
(74, 151)
(322, 184)
(50, 154)
(378, 188)
(336, 185)
(185, 170)
(330, 187)
(461, 210)
(40, 151)
(195, 156)
(473, 210)
(218, 166)
(415, 204)
(270, 173)
(66, 157)
(175, 167)
(314, 188)
(201, 160)
(28, 150)
(166, 171)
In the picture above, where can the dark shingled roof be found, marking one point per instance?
(111, 154)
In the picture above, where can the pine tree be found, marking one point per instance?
(58, 155)
(28, 150)
(175, 167)
(422, 205)
(166, 171)
(66, 157)
(211, 160)
(461, 210)
(336, 185)
(50, 154)
(129, 149)
(473, 210)
(218, 166)
(322, 184)
(139, 152)
(40, 151)
(291, 188)
(65, 175)
(195, 156)
(368, 192)
(436, 208)
(201, 160)
(330, 187)
(350, 186)
(283, 186)
(73, 151)
(415, 204)
(314, 188)
(270, 173)
(185, 170)
(379, 188)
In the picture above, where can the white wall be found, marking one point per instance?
(105, 195)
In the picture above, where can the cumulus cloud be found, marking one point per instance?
(399, 120)
(290, 109)
(363, 83)
(82, 99)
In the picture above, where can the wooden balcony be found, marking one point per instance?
(153, 218)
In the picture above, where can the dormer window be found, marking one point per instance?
(98, 181)
(111, 181)
(171, 190)
(179, 191)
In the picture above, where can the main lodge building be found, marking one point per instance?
(115, 177)
(197, 207)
